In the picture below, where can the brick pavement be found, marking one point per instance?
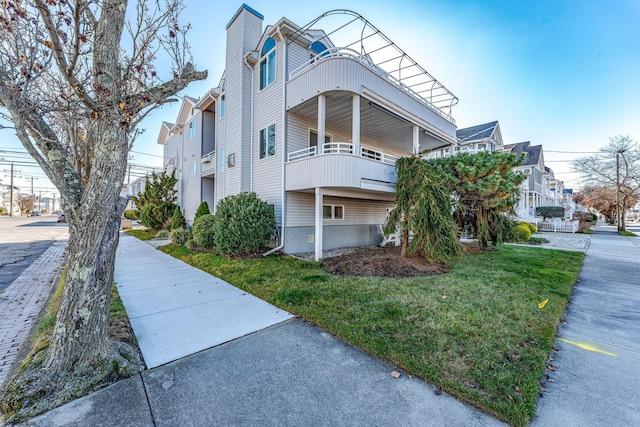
(21, 302)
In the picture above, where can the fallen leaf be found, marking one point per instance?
(395, 374)
(543, 303)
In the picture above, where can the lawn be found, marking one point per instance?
(477, 333)
(142, 234)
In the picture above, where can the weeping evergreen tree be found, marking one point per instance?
(157, 202)
(485, 188)
(423, 207)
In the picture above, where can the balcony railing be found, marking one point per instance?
(206, 158)
(343, 148)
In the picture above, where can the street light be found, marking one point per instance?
(618, 216)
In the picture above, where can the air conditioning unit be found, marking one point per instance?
(231, 159)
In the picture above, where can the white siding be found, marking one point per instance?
(300, 210)
(192, 154)
(268, 110)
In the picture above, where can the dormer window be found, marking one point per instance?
(268, 63)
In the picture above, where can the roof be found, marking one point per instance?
(532, 152)
(477, 132)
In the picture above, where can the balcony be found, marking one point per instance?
(208, 163)
(339, 164)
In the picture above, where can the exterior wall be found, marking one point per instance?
(267, 179)
(361, 226)
(243, 34)
(191, 166)
(208, 132)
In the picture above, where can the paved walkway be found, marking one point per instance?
(21, 302)
(596, 381)
(177, 310)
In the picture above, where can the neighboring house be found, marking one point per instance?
(133, 189)
(535, 189)
(312, 120)
(474, 139)
(6, 199)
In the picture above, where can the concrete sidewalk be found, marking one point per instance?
(177, 310)
(596, 381)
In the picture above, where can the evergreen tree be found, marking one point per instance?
(177, 220)
(203, 209)
(157, 202)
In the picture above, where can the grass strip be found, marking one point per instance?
(477, 333)
(142, 234)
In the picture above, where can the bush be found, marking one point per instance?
(243, 224)
(154, 216)
(177, 220)
(521, 233)
(203, 209)
(203, 231)
(3, 211)
(550, 212)
(179, 236)
(532, 227)
(132, 214)
(162, 234)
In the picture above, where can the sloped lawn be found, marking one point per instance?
(477, 332)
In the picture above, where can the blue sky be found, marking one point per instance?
(563, 74)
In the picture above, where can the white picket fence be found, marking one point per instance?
(557, 226)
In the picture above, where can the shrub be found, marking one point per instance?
(243, 224)
(521, 233)
(3, 211)
(154, 216)
(203, 231)
(532, 227)
(132, 214)
(179, 236)
(203, 209)
(550, 212)
(162, 234)
(177, 220)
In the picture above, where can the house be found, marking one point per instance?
(9, 199)
(312, 118)
(540, 188)
(474, 139)
(133, 189)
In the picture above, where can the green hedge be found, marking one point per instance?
(203, 231)
(550, 211)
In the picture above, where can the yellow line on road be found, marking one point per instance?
(587, 347)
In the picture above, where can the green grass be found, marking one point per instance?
(628, 234)
(476, 332)
(142, 234)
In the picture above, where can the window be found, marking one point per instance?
(313, 138)
(195, 168)
(192, 129)
(333, 212)
(482, 147)
(317, 48)
(222, 160)
(268, 142)
(268, 63)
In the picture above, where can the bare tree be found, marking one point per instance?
(76, 79)
(616, 167)
(25, 203)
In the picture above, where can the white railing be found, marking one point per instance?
(344, 148)
(302, 154)
(209, 157)
(343, 52)
(557, 226)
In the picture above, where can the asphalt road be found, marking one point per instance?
(24, 239)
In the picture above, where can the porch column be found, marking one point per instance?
(355, 124)
(322, 113)
(318, 236)
(416, 139)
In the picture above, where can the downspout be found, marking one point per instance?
(251, 125)
(284, 144)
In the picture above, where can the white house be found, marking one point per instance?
(312, 118)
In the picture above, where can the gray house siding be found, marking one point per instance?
(191, 167)
(361, 226)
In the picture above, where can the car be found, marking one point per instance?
(62, 217)
(35, 213)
